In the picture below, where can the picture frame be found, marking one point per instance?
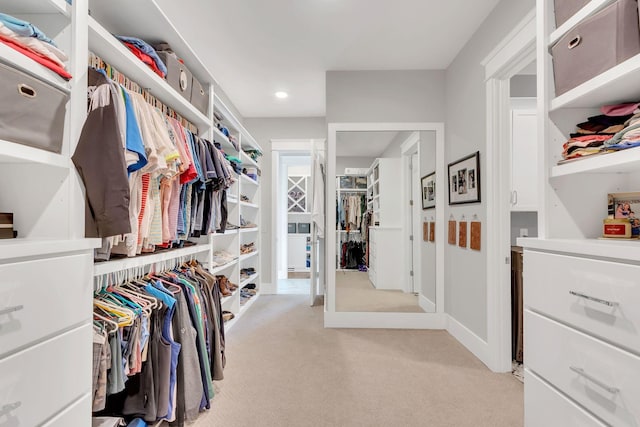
(428, 185)
(464, 180)
(625, 206)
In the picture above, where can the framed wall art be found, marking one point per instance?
(428, 185)
(464, 180)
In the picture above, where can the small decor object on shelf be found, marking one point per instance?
(428, 183)
(622, 208)
(452, 232)
(462, 234)
(475, 235)
(6, 226)
(464, 180)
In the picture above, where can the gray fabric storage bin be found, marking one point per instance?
(32, 112)
(199, 96)
(178, 75)
(565, 9)
(595, 45)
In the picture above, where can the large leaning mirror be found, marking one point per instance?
(384, 221)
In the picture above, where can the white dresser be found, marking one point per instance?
(46, 333)
(582, 336)
(385, 257)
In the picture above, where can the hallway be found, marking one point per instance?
(285, 369)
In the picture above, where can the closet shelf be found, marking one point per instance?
(249, 280)
(589, 9)
(249, 205)
(624, 161)
(243, 309)
(247, 141)
(249, 230)
(106, 267)
(32, 7)
(27, 247)
(12, 152)
(226, 233)
(225, 301)
(247, 160)
(248, 180)
(615, 85)
(220, 137)
(621, 250)
(29, 66)
(105, 45)
(232, 200)
(218, 269)
(244, 257)
(146, 20)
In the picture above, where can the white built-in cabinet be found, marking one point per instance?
(48, 271)
(299, 252)
(385, 235)
(582, 351)
(524, 155)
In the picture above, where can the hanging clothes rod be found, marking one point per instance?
(98, 63)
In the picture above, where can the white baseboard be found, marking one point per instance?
(385, 320)
(268, 289)
(426, 304)
(473, 343)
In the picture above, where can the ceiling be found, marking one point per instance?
(256, 47)
(363, 144)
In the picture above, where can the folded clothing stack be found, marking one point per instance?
(146, 53)
(617, 128)
(29, 40)
(253, 153)
(222, 258)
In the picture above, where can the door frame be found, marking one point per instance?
(409, 148)
(515, 51)
(280, 147)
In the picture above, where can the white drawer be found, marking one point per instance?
(549, 280)
(46, 378)
(76, 415)
(546, 407)
(48, 295)
(602, 378)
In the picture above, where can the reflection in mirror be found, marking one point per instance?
(385, 259)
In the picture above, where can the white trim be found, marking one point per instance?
(426, 304)
(503, 53)
(515, 52)
(268, 289)
(411, 143)
(385, 320)
(471, 341)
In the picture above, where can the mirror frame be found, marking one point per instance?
(336, 319)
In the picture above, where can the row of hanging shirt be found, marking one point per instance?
(150, 182)
(158, 344)
(350, 209)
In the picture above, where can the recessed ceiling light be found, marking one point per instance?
(282, 95)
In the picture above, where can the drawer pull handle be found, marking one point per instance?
(574, 42)
(10, 407)
(596, 381)
(10, 310)
(594, 299)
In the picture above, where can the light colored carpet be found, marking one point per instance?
(294, 286)
(299, 275)
(354, 292)
(284, 369)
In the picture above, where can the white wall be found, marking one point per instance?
(264, 130)
(465, 283)
(385, 96)
(394, 150)
(352, 162)
(523, 86)
(528, 220)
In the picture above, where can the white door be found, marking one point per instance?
(524, 155)
(317, 186)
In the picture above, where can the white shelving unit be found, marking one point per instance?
(580, 286)
(49, 265)
(48, 205)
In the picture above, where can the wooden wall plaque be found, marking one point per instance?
(452, 232)
(462, 234)
(476, 228)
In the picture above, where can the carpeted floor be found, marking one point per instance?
(354, 292)
(284, 369)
